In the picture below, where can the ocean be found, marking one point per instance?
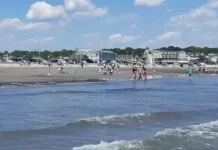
(158, 114)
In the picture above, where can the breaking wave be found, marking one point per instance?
(128, 118)
(116, 145)
(178, 138)
(108, 121)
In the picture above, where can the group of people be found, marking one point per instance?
(109, 69)
(139, 73)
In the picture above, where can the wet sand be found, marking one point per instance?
(39, 75)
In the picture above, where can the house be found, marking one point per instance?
(94, 56)
(214, 59)
(170, 57)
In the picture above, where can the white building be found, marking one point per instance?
(98, 56)
(94, 56)
(214, 59)
(156, 56)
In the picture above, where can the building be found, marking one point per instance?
(107, 56)
(157, 57)
(214, 59)
(96, 56)
(93, 55)
(174, 57)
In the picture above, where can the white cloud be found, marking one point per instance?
(198, 26)
(17, 24)
(169, 36)
(119, 38)
(85, 8)
(204, 16)
(148, 2)
(43, 10)
(79, 4)
(41, 41)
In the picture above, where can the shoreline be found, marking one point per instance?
(34, 76)
(23, 84)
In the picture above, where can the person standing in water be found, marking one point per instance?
(203, 70)
(200, 70)
(134, 71)
(190, 72)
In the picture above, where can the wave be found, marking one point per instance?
(178, 138)
(108, 121)
(139, 117)
(116, 145)
(207, 130)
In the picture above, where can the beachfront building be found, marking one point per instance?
(168, 57)
(107, 56)
(174, 57)
(214, 59)
(95, 56)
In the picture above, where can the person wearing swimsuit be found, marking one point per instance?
(190, 73)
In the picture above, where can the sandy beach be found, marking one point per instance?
(38, 74)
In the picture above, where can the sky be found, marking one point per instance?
(97, 24)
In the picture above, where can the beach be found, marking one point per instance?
(11, 75)
(38, 74)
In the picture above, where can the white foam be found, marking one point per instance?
(116, 145)
(117, 119)
(206, 130)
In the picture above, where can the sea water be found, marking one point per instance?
(158, 114)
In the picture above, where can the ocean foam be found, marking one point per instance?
(118, 119)
(206, 130)
(116, 145)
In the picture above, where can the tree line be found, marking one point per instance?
(126, 51)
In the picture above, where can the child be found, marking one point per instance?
(190, 73)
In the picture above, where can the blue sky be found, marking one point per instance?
(96, 24)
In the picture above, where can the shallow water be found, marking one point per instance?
(159, 114)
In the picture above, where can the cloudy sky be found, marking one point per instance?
(95, 24)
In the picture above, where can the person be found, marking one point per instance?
(49, 68)
(200, 70)
(140, 73)
(74, 69)
(190, 73)
(153, 69)
(204, 71)
(82, 64)
(61, 69)
(144, 71)
(118, 67)
(111, 69)
(134, 71)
